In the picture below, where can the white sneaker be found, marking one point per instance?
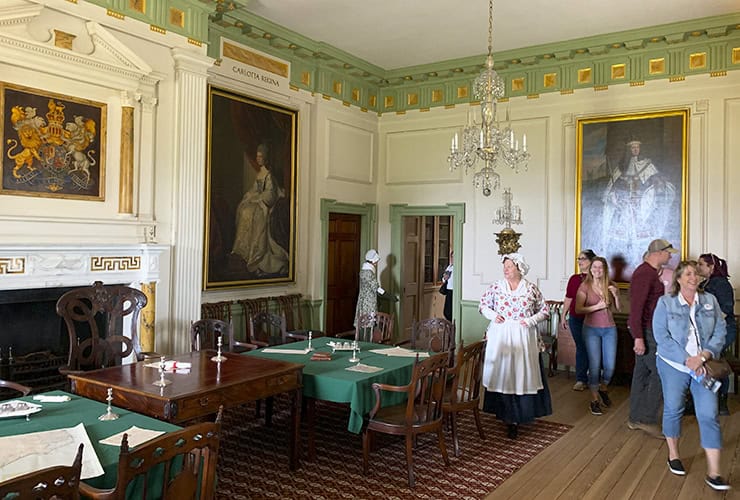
(579, 386)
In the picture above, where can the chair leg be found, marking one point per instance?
(442, 446)
(453, 423)
(365, 450)
(410, 458)
(476, 414)
(268, 411)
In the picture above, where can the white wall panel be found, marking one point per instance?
(351, 152)
(419, 157)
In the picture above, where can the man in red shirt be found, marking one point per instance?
(646, 394)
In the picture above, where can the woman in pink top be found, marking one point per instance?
(596, 296)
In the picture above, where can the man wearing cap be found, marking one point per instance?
(646, 395)
(367, 299)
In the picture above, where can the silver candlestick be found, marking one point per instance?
(355, 349)
(218, 358)
(310, 338)
(162, 381)
(109, 415)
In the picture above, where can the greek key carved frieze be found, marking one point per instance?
(111, 263)
(12, 265)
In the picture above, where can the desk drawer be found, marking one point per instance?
(199, 406)
(270, 386)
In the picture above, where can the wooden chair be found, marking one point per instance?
(204, 334)
(421, 413)
(365, 327)
(433, 334)
(197, 446)
(383, 332)
(57, 482)
(94, 317)
(7, 387)
(548, 334)
(463, 391)
(266, 329)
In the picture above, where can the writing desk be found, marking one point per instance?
(82, 410)
(236, 381)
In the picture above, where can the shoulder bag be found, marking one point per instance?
(718, 368)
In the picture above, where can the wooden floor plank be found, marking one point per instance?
(601, 458)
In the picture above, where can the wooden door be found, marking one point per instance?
(411, 273)
(343, 268)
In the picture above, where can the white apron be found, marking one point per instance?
(512, 359)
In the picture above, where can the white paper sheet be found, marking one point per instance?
(285, 351)
(359, 367)
(136, 436)
(401, 352)
(24, 453)
(45, 398)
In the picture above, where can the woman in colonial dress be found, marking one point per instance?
(513, 373)
(367, 299)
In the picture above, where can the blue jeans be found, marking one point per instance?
(675, 383)
(576, 330)
(601, 344)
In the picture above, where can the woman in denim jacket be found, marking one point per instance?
(689, 329)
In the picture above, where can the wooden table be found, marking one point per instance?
(236, 381)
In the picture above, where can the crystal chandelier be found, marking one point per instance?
(508, 214)
(487, 140)
(508, 239)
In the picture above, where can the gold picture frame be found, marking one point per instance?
(251, 191)
(53, 144)
(631, 186)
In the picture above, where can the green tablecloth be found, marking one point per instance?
(86, 411)
(329, 381)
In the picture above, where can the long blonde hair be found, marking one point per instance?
(603, 284)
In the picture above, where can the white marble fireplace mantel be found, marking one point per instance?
(46, 266)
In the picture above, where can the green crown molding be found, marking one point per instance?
(189, 18)
(709, 46)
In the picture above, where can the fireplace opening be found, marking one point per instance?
(33, 339)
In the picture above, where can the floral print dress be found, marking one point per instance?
(512, 363)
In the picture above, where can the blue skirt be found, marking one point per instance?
(515, 409)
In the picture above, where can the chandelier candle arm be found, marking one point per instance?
(486, 141)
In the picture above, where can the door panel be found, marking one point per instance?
(411, 277)
(343, 267)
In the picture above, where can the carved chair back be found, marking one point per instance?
(97, 319)
(267, 328)
(57, 482)
(383, 332)
(196, 446)
(204, 334)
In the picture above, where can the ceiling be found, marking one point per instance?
(395, 34)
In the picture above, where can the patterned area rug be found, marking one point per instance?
(253, 462)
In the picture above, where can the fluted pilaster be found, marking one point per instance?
(190, 142)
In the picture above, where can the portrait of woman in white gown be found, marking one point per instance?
(253, 241)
